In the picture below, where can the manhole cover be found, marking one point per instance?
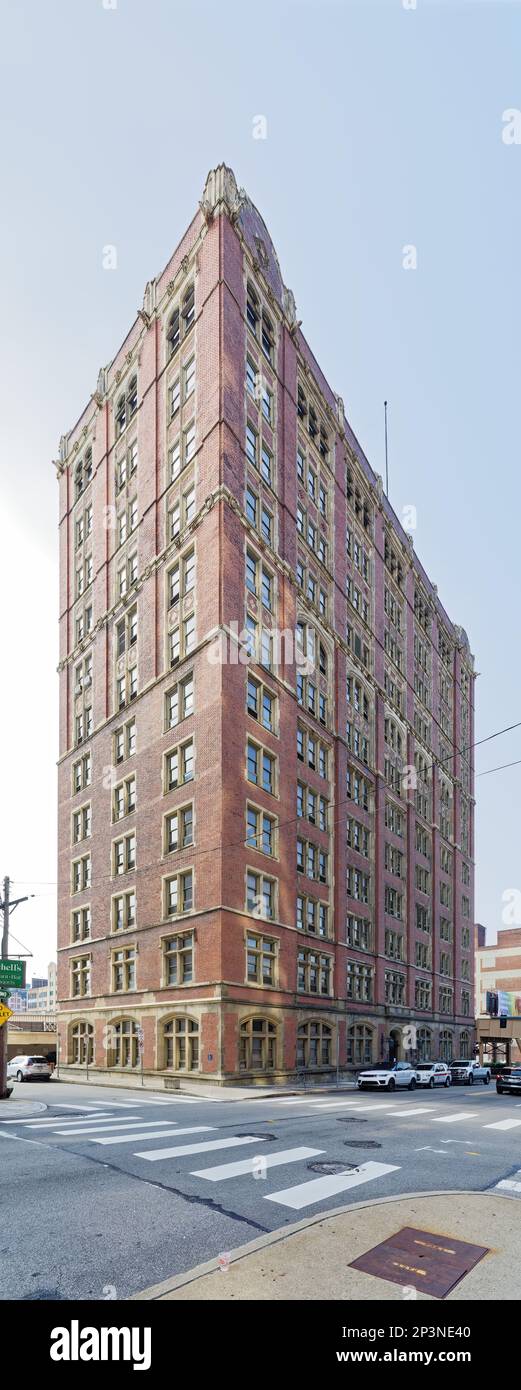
(331, 1166)
(430, 1262)
(362, 1144)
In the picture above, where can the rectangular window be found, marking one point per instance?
(178, 959)
(261, 959)
(124, 911)
(179, 766)
(179, 893)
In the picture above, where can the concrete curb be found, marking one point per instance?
(283, 1233)
(16, 1109)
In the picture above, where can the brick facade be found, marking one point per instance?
(319, 755)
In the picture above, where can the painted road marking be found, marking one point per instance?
(153, 1155)
(504, 1124)
(153, 1134)
(418, 1110)
(245, 1165)
(62, 1120)
(117, 1125)
(453, 1119)
(306, 1193)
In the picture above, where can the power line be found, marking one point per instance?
(234, 844)
(488, 770)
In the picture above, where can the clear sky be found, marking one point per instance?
(385, 129)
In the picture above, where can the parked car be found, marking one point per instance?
(29, 1068)
(388, 1078)
(509, 1081)
(466, 1073)
(433, 1074)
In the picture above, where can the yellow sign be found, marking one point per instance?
(5, 1013)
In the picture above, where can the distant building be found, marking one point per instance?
(38, 997)
(498, 971)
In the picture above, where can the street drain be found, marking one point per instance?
(362, 1144)
(331, 1166)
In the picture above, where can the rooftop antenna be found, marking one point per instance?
(386, 453)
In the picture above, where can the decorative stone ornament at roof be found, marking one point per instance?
(290, 309)
(221, 191)
(340, 412)
(146, 313)
(101, 387)
(63, 447)
(262, 253)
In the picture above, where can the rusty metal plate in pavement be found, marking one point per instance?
(430, 1262)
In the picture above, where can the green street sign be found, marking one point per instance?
(12, 974)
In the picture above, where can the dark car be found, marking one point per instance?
(509, 1081)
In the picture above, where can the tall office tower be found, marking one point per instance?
(266, 716)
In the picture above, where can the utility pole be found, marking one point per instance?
(7, 907)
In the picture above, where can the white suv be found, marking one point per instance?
(29, 1068)
(387, 1078)
(433, 1074)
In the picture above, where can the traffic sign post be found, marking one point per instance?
(141, 1049)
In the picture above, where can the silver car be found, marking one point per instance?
(35, 1068)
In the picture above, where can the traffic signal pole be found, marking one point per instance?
(3, 1031)
(7, 906)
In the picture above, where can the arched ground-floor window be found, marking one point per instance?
(257, 1045)
(445, 1045)
(181, 1044)
(81, 1044)
(464, 1045)
(360, 1044)
(424, 1044)
(123, 1049)
(314, 1044)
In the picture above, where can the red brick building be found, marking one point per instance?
(265, 789)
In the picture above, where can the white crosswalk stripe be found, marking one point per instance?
(341, 1104)
(62, 1120)
(154, 1155)
(504, 1124)
(455, 1119)
(508, 1185)
(318, 1189)
(152, 1134)
(107, 1128)
(89, 1106)
(417, 1110)
(246, 1165)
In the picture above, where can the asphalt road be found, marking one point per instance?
(102, 1205)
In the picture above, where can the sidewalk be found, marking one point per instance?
(311, 1259)
(18, 1109)
(207, 1091)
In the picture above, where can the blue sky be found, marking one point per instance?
(384, 129)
